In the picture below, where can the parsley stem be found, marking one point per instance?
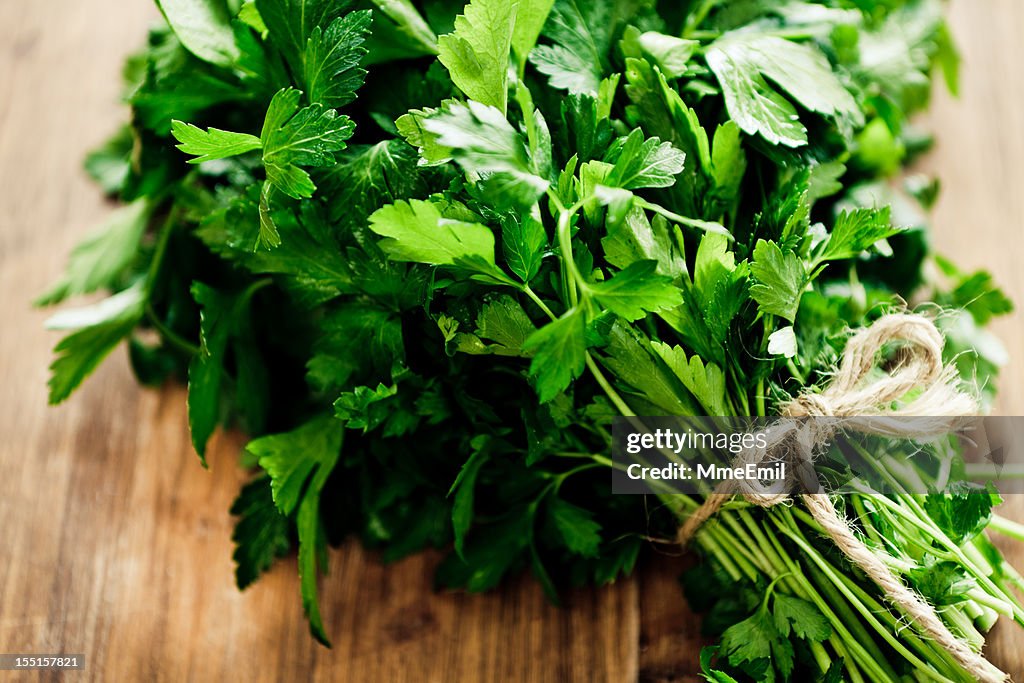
(706, 226)
(540, 302)
(780, 562)
(972, 566)
(156, 263)
(698, 16)
(913, 513)
(155, 266)
(1007, 527)
(820, 656)
(1006, 569)
(596, 457)
(572, 275)
(711, 541)
(609, 391)
(764, 562)
(848, 661)
(836, 577)
(169, 335)
(249, 291)
(557, 483)
(795, 372)
(863, 517)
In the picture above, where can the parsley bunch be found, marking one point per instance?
(424, 253)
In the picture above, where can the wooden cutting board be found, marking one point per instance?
(114, 542)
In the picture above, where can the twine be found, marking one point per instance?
(849, 401)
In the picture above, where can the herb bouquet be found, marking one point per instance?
(425, 252)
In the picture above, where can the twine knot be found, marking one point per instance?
(913, 396)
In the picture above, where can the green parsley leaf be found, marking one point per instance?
(463, 487)
(299, 463)
(417, 231)
(357, 342)
(290, 23)
(486, 560)
(101, 259)
(300, 137)
(559, 354)
(312, 549)
(261, 534)
(781, 279)
(523, 240)
(719, 291)
(365, 408)
(530, 18)
(294, 137)
(100, 328)
(369, 176)
(224, 318)
(643, 163)
(399, 32)
(652, 387)
(110, 164)
(975, 292)
(710, 675)
(476, 53)
(755, 106)
(311, 261)
(579, 531)
(250, 16)
(205, 372)
(504, 322)
(638, 239)
(332, 72)
(855, 231)
(581, 32)
(750, 640)
(484, 142)
(705, 382)
(670, 54)
(411, 127)
(962, 511)
(212, 143)
(204, 27)
(804, 619)
(741, 61)
(941, 583)
(728, 162)
(636, 291)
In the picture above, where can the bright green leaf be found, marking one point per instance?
(203, 27)
(636, 291)
(559, 354)
(476, 53)
(781, 279)
(213, 143)
(332, 56)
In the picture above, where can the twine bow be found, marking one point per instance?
(866, 406)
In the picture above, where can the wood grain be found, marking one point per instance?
(115, 543)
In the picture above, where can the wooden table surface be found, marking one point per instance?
(114, 542)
